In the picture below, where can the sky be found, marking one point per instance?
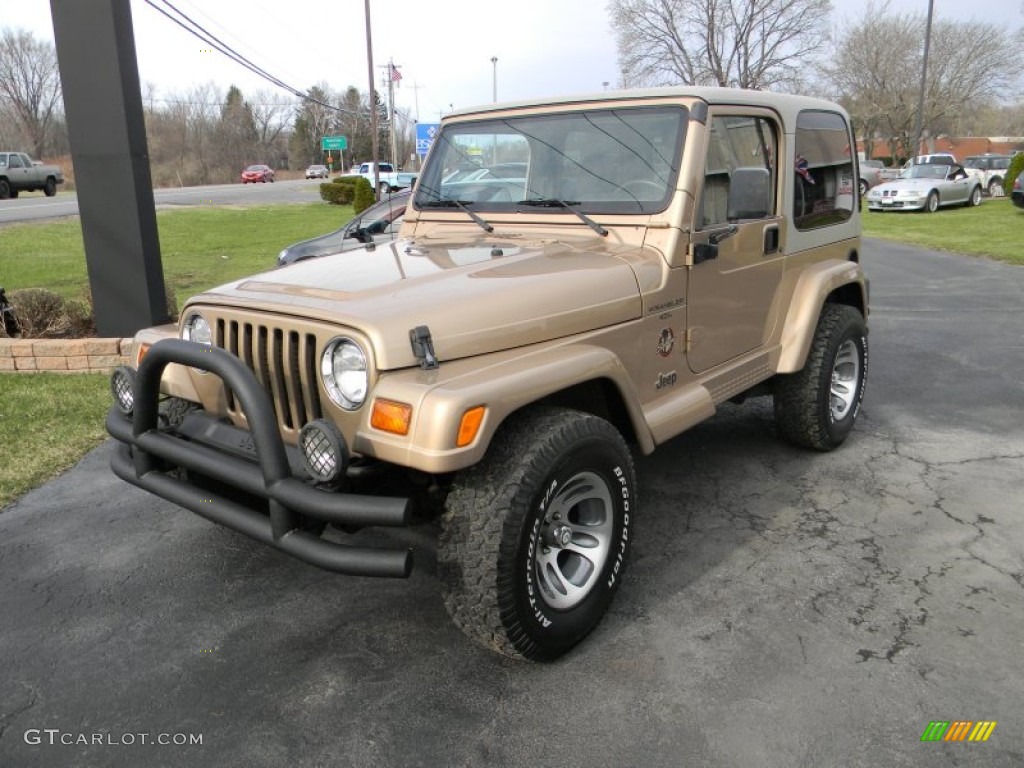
(443, 48)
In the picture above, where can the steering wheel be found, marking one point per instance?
(636, 187)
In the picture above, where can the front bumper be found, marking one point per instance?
(148, 455)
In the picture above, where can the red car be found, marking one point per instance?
(256, 173)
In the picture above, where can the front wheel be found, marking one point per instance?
(535, 537)
(975, 198)
(863, 187)
(817, 406)
(931, 205)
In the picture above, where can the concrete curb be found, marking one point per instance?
(63, 355)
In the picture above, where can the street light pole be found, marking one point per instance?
(494, 81)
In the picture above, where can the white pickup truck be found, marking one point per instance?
(390, 180)
(19, 172)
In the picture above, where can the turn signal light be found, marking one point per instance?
(143, 349)
(389, 416)
(470, 425)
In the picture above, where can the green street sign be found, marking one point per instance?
(333, 142)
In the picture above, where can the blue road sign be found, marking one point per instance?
(425, 133)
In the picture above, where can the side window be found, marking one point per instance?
(16, 162)
(823, 187)
(737, 141)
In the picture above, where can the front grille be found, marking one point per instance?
(285, 363)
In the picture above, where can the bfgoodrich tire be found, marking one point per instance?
(817, 406)
(535, 537)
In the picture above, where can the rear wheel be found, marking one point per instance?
(50, 187)
(817, 406)
(535, 536)
(5, 189)
(995, 187)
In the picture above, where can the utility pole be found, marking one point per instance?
(392, 75)
(374, 143)
(494, 80)
(924, 77)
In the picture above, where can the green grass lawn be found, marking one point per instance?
(994, 229)
(200, 247)
(47, 423)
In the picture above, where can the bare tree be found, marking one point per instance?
(30, 83)
(760, 44)
(877, 67)
(271, 114)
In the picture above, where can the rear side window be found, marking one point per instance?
(824, 183)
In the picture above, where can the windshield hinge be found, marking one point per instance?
(423, 347)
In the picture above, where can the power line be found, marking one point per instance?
(212, 40)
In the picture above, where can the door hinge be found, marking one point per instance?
(687, 340)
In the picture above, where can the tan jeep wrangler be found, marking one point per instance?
(575, 278)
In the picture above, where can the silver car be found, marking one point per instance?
(926, 188)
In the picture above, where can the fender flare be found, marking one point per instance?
(504, 387)
(812, 290)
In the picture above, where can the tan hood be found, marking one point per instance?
(474, 299)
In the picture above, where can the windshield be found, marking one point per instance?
(927, 172)
(599, 161)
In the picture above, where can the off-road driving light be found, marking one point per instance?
(197, 329)
(389, 416)
(122, 387)
(343, 370)
(323, 450)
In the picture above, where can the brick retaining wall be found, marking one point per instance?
(63, 355)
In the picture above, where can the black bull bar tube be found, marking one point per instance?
(137, 461)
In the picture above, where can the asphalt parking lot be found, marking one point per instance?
(782, 608)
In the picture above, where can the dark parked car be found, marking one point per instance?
(254, 173)
(377, 224)
(1018, 191)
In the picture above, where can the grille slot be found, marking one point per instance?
(285, 365)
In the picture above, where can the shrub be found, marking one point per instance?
(81, 317)
(364, 196)
(1015, 169)
(41, 313)
(337, 194)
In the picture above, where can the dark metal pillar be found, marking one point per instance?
(103, 102)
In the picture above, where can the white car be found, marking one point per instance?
(926, 188)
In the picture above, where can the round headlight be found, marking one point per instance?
(343, 370)
(197, 329)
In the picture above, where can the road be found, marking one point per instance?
(782, 608)
(31, 206)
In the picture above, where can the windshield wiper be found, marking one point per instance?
(554, 202)
(461, 205)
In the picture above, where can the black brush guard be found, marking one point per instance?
(145, 452)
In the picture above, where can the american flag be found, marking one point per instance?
(396, 76)
(803, 169)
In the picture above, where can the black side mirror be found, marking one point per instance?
(749, 194)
